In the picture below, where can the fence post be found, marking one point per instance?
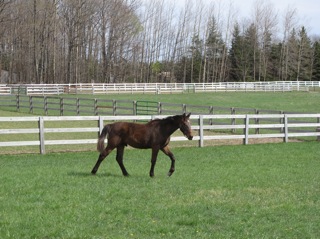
(200, 122)
(134, 107)
(114, 107)
(318, 137)
(41, 135)
(233, 120)
(246, 131)
(281, 122)
(184, 108)
(30, 104)
(78, 106)
(18, 102)
(45, 100)
(61, 106)
(257, 121)
(211, 113)
(286, 131)
(159, 108)
(95, 107)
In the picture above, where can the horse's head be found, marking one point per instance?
(185, 126)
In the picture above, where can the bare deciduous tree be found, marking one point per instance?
(74, 41)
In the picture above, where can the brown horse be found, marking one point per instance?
(154, 134)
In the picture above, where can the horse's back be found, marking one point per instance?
(127, 128)
(133, 134)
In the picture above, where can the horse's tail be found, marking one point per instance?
(102, 136)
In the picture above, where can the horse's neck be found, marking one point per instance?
(171, 128)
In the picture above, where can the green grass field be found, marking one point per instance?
(287, 101)
(254, 191)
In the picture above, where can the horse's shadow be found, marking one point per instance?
(89, 174)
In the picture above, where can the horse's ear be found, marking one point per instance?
(184, 116)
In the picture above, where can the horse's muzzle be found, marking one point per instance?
(190, 137)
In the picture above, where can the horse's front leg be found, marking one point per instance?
(167, 152)
(155, 151)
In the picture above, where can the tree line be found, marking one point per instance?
(75, 41)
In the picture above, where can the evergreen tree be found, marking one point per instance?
(214, 51)
(188, 67)
(316, 61)
(235, 55)
(266, 52)
(292, 58)
(274, 68)
(196, 60)
(305, 56)
(242, 55)
(253, 66)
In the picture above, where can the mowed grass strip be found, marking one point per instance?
(253, 191)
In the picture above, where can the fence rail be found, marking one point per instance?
(158, 88)
(244, 127)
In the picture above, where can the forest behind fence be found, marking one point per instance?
(78, 41)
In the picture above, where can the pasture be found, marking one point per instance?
(306, 102)
(253, 191)
(289, 101)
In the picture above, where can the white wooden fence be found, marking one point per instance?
(158, 88)
(5, 90)
(244, 125)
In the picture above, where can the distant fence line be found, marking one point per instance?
(245, 127)
(157, 88)
(59, 106)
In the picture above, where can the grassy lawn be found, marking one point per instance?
(287, 101)
(253, 191)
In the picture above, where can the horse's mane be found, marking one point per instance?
(169, 118)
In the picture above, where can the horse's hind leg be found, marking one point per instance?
(102, 156)
(153, 160)
(119, 157)
(167, 152)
